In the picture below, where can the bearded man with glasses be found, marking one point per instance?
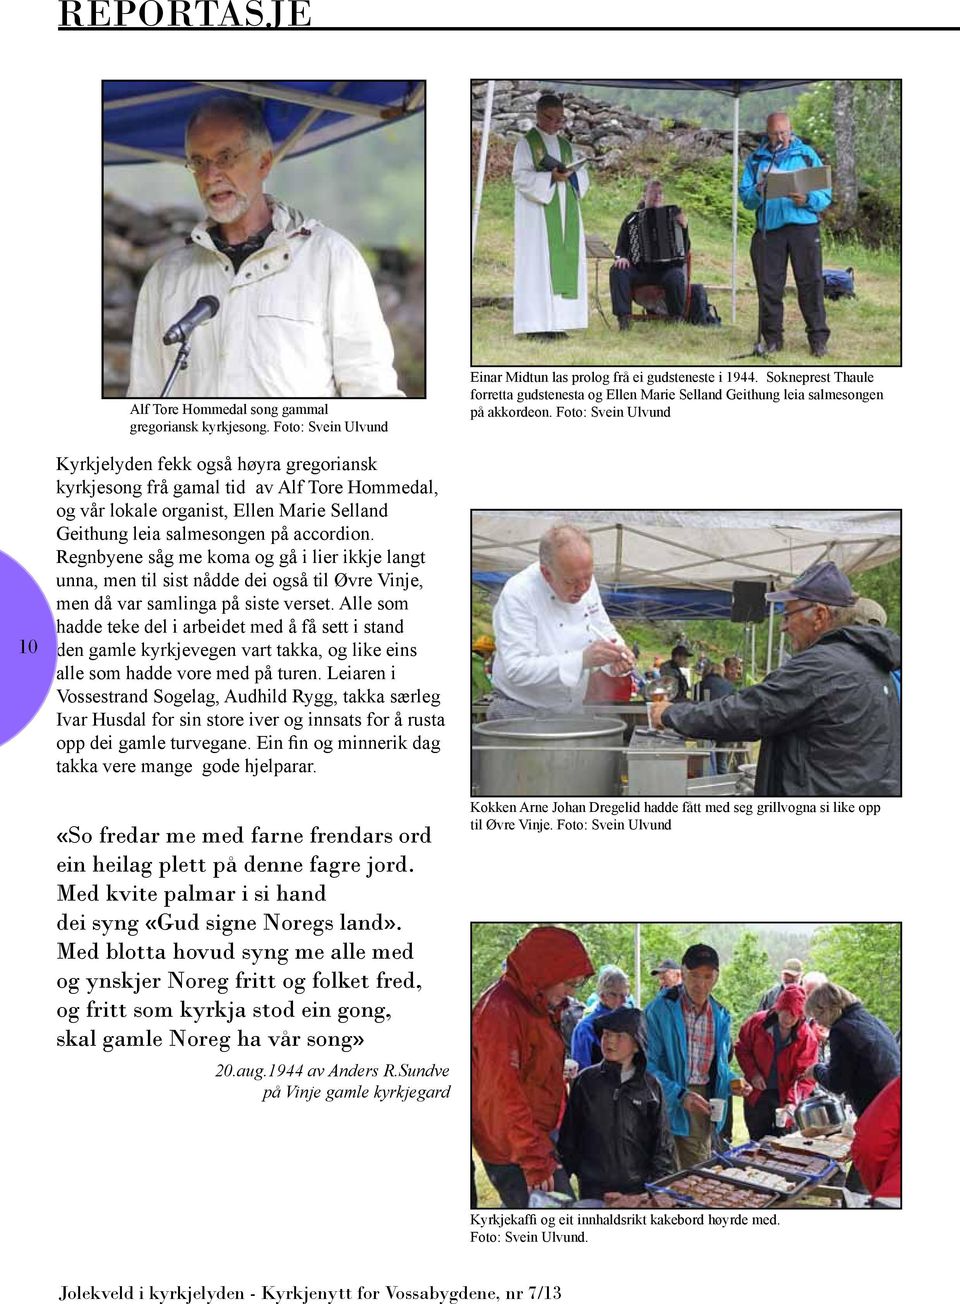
(299, 315)
(829, 719)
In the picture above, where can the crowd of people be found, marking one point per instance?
(618, 1096)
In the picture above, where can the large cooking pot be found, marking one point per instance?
(821, 1112)
(656, 763)
(565, 756)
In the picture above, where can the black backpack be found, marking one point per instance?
(701, 312)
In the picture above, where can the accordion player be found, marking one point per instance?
(657, 235)
(651, 249)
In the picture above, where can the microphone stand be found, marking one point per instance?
(180, 364)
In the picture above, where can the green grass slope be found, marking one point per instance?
(865, 330)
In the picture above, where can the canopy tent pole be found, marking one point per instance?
(481, 165)
(770, 638)
(753, 651)
(153, 97)
(266, 90)
(295, 135)
(736, 212)
(151, 155)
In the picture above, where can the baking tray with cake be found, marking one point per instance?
(835, 1147)
(703, 1191)
(758, 1154)
(765, 1180)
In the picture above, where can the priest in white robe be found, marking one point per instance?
(550, 261)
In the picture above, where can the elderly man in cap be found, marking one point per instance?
(688, 1051)
(517, 1052)
(552, 632)
(790, 975)
(667, 974)
(829, 719)
(616, 1133)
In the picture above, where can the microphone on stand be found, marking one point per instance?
(206, 307)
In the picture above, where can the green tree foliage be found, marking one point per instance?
(883, 585)
(611, 943)
(877, 114)
(491, 945)
(864, 958)
(745, 970)
(744, 980)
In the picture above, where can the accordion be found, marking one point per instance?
(658, 236)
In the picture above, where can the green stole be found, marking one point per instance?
(563, 242)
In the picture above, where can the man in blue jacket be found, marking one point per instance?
(787, 227)
(688, 1051)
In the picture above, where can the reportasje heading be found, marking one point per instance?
(184, 13)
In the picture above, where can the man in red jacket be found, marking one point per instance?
(518, 1092)
(773, 1049)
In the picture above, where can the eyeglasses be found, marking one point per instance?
(223, 161)
(788, 615)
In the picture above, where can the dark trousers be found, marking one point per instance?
(800, 242)
(512, 1185)
(673, 280)
(761, 1117)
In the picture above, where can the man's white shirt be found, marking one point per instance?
(540, 642)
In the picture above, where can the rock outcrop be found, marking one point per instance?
(607, 131)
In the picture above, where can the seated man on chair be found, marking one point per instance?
(632, 267)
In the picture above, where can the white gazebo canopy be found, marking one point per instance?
(694, 549)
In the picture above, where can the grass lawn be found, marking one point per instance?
(865, 330)
(487, 1197)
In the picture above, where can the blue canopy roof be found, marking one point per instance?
(642, 603)
(144, 121)
(726, 86)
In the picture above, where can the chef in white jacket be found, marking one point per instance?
(549, 257)
(552, 632)
(299, 315)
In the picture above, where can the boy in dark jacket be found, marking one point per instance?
(615, 1134)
